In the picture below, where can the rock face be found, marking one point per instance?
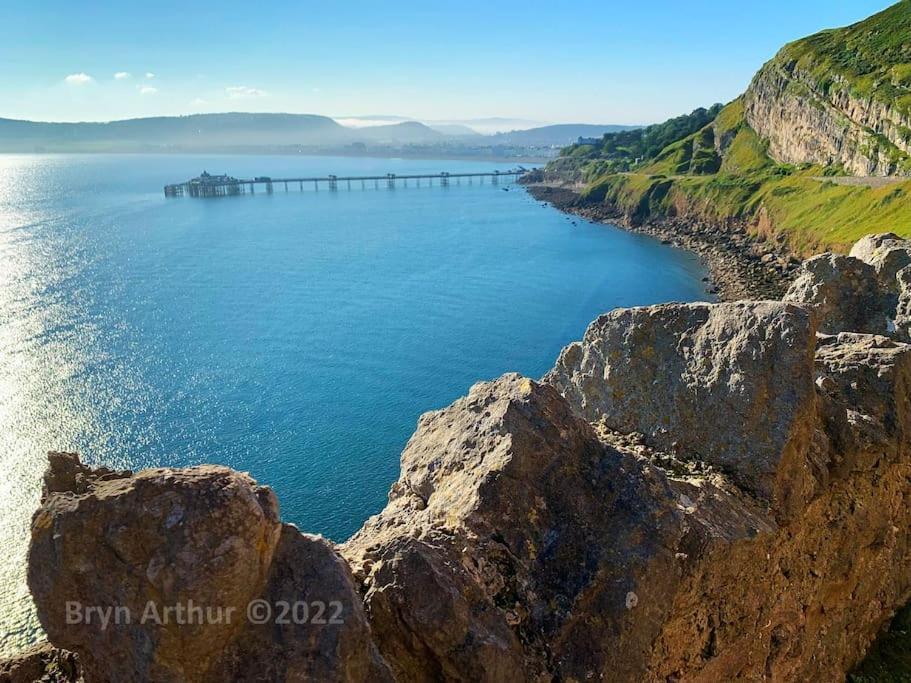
(323, 637)
(804, 124)
(515, 523)
(887, 253)
(752, 360)
(695, 492)
(903, 305)
(846, 292)
(839, 97)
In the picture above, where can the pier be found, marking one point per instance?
(207, 185)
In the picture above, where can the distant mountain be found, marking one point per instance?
(203, 131)
(242, 131)
(455, 130)
(558, 135)
(410, 132)
(491, 125)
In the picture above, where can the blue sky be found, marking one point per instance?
(601, 61)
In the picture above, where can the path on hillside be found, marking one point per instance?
(863, 181)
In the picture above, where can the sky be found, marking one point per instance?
(597, 61)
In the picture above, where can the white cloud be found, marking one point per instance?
(149, 74)
(78, 79)
(198, 102)
(122, 76)
(147, 90)
(239, 92)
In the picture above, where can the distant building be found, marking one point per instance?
(588, 141)
(206, 178)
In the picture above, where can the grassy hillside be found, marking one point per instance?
(624, 150)
(869, 60)
(722, 172)
(711, 165)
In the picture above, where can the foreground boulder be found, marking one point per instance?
(703, 492)
(520, 545)
(107, 546)
(151, 577)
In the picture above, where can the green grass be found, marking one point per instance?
(746, 153)
(814, 214)
(869, 60)
(689, 177)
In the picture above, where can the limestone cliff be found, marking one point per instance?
(695, 492)
(840, 97)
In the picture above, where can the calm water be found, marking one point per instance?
(296, 336)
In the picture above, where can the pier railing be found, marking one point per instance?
(226, 186)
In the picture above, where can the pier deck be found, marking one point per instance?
(226, 186)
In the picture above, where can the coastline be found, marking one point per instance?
(740, 265)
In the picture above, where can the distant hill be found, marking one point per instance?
(239, 131)
(558, 135)
(202, 131)
(410, 132)
(455, 130)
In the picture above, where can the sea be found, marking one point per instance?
(295, 335)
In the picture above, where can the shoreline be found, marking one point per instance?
(740, 265)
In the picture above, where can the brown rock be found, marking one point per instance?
(519, 546)
(41, 663)
(318, 630)
(202, 536)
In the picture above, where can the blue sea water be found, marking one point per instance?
(296, 336)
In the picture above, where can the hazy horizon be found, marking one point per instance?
(607, 63)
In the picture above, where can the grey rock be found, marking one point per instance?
(902, 320)
(886, 252)
(846, 292)
(727, 384)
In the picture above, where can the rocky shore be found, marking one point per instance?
(741, 265)
(694, 492)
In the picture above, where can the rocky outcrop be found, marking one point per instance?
(707, 360)
(868, 291)
(695, 492)
(887, 253)
(202, 536)
(846, 292)
(188, 575)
